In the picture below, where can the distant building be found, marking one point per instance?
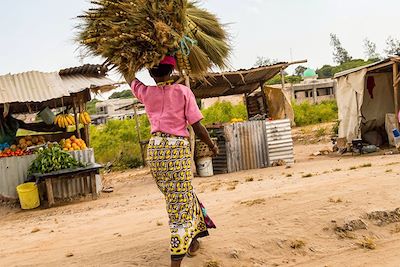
(311, 89)
(117, 109)
(110, 107)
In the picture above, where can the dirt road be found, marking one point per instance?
(270, 217)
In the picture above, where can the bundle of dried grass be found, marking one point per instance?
(137, 34)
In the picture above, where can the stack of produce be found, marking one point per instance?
(72, 144)
(29, 141)
(137, 34)
(13, 151)
(84, 118)
(64, 120)
(53, 159)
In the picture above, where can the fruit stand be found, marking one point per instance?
(62, 96)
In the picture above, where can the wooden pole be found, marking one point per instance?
(82, 108)
(283, 79)
(264, 97)
(78, 133)
(138, 132)
(396, 92)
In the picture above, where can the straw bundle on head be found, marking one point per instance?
(137, 34)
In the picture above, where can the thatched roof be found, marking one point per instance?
(234, 82)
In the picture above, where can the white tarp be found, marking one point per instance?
(350, 93)
(362, 110)
(378, 102)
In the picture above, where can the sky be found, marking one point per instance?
(39, 34)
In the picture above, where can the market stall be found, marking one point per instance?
(47, 109)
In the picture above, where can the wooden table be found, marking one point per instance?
(90, 170)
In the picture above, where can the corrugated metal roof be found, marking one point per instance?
(77, 83)
(36, 86)
(347, 72)
(32, 86)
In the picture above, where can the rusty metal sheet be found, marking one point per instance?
(279, 141)
(246, 146)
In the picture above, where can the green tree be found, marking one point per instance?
(328, 71)
(325, 72)
(300, 70)
(91, 106)
(264, 61)
(392, 46)
(370, 49)
(277, 79)
(340, 55)
(122, 94)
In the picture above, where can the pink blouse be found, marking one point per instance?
(170, 108)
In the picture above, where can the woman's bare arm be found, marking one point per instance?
(202, 133)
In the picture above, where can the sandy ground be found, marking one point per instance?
(269, 217)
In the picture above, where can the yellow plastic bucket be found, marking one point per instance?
(28, 194)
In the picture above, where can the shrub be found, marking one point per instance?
(118, 142)
(222, 112)
(306, 113)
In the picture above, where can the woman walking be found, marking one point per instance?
(171, 108)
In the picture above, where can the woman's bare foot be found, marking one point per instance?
(194, 247)
(176, 263)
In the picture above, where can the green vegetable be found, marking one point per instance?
(53, 159)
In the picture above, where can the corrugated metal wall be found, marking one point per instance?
(13, 171)
(279, 141)
(246, 146)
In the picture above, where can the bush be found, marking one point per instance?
(306, 113)
(222, 112)
(118, 142)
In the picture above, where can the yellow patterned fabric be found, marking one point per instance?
(170, 162)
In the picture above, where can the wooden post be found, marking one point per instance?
(283, 79)
(264, 97)
(93, 185)
(396, 92)
(82, 108)
(49, 190)
(138, 132)
(246, 102)
(78, 133)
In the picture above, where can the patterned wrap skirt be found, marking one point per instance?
(170, 162)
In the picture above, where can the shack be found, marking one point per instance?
(260, 142)
(62, 91)
(368, 102)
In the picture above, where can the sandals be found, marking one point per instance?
(190, 253)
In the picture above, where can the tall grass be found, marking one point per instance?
(306, 113)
